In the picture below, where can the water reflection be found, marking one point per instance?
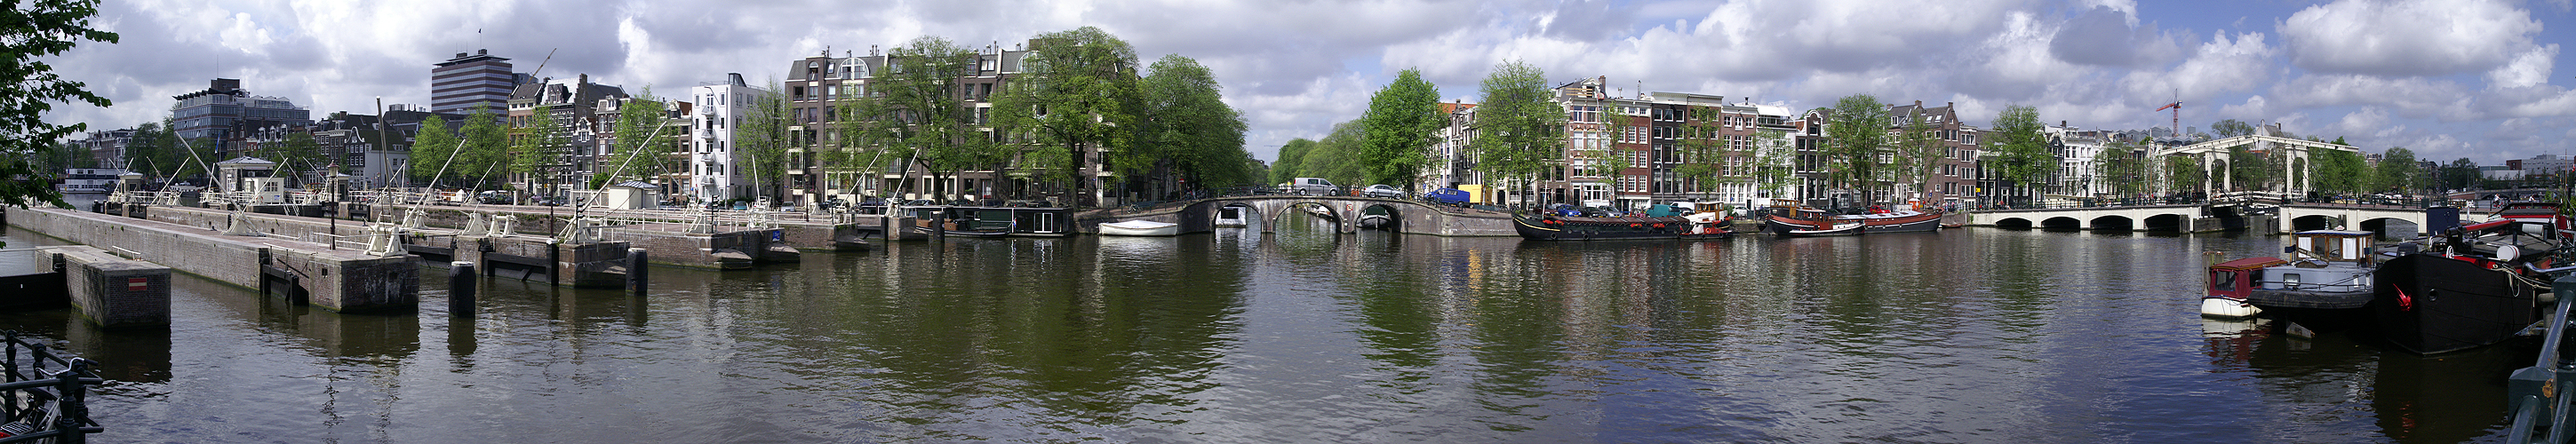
(1304, 334)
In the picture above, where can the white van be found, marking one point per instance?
(1312, 186)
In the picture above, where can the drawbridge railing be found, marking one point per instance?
(2537, 396)
(46, 394)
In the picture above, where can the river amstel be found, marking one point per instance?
(1974, 335)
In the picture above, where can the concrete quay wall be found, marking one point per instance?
(337, 280)
(691, 250)
(800, 231)
(112, 291)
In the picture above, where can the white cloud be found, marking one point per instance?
(2368, 120)
(2220, 66)
(2529, 69)
(2407, 37)
(2412, 97)
(2422, 67)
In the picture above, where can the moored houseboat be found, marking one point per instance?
(2325, 269)
(2471, 287)
(1658, 225)
(1785, 220)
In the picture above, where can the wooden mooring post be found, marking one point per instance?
(460, 289)
(636, 276)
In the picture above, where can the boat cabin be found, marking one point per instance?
(2331, 245)
(2235, 279)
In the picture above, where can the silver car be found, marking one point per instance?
(1381, 190)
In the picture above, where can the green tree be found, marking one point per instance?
(762, 138)
(485, 149)
(916, 110)
(148, 151)
(1697, 148)
(2231, 128)
(2247, 169)
(2462, 173)
(2117, 164)
(298, 153)
(67, 154)
(35, 31)
(1189, 133)
(1857, 142)
(2025, 158)
(2397, 170)
(1336, 158)
(537, 146)
(432, 148)
(1520, 129)
(1291, 163)
(2185, 174)
(1773, 171)
(2339, 171)
(1401, 121)
(641, 141)
(1917, 152)
(1076, 97)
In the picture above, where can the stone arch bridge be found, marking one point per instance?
(2199, 218)
(1264, 212)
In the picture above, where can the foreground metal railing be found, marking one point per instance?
(30, 388)
(2537, 395)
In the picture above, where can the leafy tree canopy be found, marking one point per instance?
(35, 31)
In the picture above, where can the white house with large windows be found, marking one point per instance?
(718, 169)
(2079, 151)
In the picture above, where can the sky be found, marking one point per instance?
(2447, 79)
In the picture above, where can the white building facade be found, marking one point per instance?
(718, 169)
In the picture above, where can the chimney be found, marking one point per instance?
(585, 79)
(482, 52)
(460, 55)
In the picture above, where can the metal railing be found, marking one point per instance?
(2537, 395)
(29, 388)
(2221, 199)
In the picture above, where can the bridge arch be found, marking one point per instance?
(2311, 222)
(1341, 222)
(2013, 223)
(1394, 216)
(2061, 223)
(2392, 227)
(2168, 223)
(2112, 223)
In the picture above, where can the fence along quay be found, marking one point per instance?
(44, 402)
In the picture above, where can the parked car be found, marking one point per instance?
(1312, 186)
(1449, 196)
(1382, 190)
(1568, 210)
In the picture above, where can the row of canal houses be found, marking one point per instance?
(1628, 151)
(1621, 150)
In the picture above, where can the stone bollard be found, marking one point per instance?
(460, 289)
(636, 274)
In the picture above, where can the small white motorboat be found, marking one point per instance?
(1140, 228)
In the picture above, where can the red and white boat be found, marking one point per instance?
(1807, 221)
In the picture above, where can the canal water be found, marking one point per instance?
(1976, 335)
